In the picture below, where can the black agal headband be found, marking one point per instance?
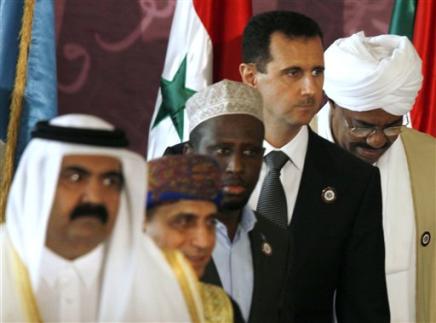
(92, 137)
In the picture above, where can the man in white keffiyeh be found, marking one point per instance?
(72, 246)
(371, 84)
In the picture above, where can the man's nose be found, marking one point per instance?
(235, 163)
(204, 237)
(308, 86)
(377, 139)
(93, 192)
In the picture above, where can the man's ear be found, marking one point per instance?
(187, 148)
(248, 73)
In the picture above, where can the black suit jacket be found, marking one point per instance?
(269, 271)
(336, 247)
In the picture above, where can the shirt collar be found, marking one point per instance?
(295, 149)
(248, 220)
(87, 267)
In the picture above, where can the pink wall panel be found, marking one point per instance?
(111, 52)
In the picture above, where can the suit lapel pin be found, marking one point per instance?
(328, 195)
(425, 239)
(266, 248)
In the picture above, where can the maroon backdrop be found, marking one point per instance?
(111, 53)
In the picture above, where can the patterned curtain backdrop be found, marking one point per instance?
(111, 53)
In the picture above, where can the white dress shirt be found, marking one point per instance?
(68, 291)
(291, 172)
(234, 261)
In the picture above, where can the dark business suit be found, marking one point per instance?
(337, 245)
(269, 270)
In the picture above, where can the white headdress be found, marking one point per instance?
(367, 73)
(136, 281)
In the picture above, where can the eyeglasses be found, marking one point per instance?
(365, 132)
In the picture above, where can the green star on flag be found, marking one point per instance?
(197, 33)
(174, 96)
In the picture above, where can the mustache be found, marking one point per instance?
(307, 102)
(98, 211)
(233, 181)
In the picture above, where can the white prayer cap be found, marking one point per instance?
(367, 73)
(223, 98)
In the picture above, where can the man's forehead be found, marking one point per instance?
(93, 163)
(193, 207)
(304, 49)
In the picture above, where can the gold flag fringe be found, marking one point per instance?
(16, 105)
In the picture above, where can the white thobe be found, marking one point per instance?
(68, 291)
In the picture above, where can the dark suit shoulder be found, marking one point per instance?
(175, 150)
(334, 158)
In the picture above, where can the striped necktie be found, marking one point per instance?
(272, 199)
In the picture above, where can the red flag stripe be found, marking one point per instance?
(225, 21)
(424, 35)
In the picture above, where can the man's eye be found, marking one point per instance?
(293, 72)
(223, 151)
(115, 181)
(74, 177)
(318, 72)
(211, 223)
(252, 152)
(183, 222)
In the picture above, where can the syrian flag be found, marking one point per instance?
(415, 19)
(204, 47)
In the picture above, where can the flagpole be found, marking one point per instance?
(16, 104)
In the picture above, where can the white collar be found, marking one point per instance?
(87, 267)
(295, 149)
(248, 220)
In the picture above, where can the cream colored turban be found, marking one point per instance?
(223, 98)
(367, 73)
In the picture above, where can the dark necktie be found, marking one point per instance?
(272, 199)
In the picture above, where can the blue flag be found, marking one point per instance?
(40, 98)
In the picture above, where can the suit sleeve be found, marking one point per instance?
(361, 295)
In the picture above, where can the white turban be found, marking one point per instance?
(367, 73)
(137, 283)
